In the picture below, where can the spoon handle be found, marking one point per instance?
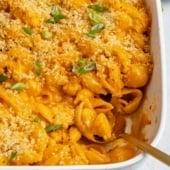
(148, 148)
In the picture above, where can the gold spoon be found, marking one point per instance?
(147, 148)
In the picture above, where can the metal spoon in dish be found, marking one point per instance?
(165, 158)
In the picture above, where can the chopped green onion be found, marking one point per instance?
(56, 19)
(38, 67)
(82, 61)
(50, 20)
(36, 119)
(56, 15)
(90, 66)
(96, 29)
(18, 86)
(47, 35)
(86, 69)
(3, 78)
(52, 127)
(12, 156)
(82, 67)
(94, 17)
(55, 10)
(28, 30)
(98, 8)
(79, 65)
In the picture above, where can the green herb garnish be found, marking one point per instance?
(18, 86)
(12, 156)
(56, 15)
(52, 127)
(98, 26)
(98, 8)
(96, 29)
(36, 119)
(38, 67)
(93, 16)
(3, 78)
(28, 30)
(82, 67)
(50, 20)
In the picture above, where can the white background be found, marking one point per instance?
(150, 163)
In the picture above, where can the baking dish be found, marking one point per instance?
(154, 103)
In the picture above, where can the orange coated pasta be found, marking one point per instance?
(70, 73)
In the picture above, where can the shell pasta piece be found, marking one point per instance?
(129, 101)
(94, 126)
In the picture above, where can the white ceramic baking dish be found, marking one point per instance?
(153, 106)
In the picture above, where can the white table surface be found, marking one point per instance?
(150, 163)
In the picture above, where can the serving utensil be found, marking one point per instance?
(147, 148)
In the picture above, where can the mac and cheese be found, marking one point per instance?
(70, 73)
